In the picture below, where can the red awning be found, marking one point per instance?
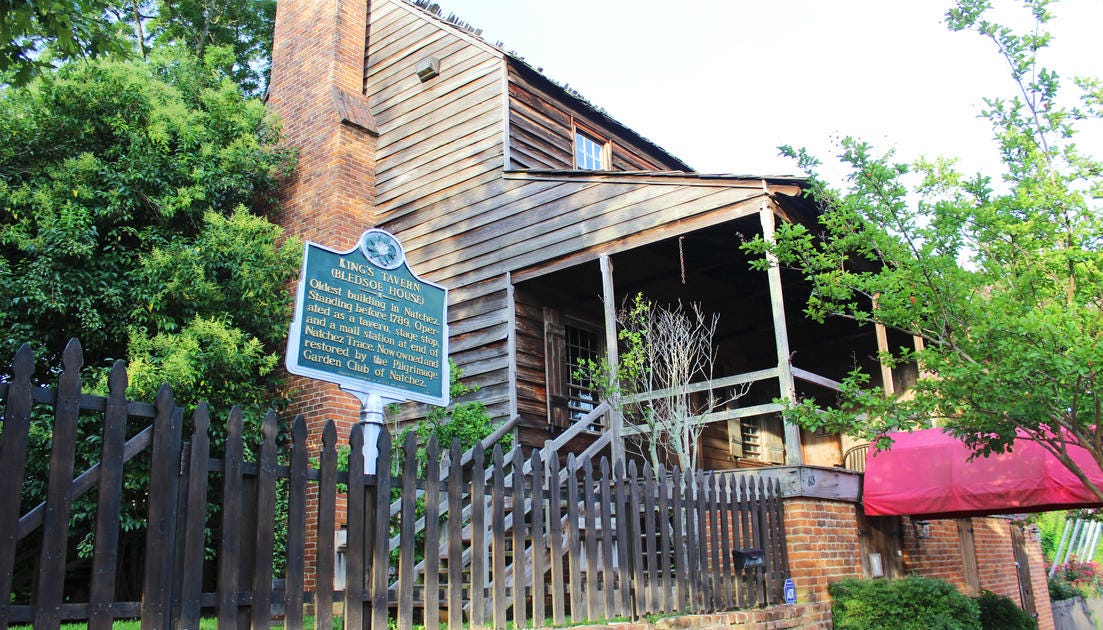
(927, 473)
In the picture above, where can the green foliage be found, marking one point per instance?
(1001, 281)
(133, 198)
(33, 33)
(914, 603)
(1076, 579)
(999, 612)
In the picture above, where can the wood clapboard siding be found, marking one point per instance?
(541, 130)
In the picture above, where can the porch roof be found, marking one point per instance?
(929, 473)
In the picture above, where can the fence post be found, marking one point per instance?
(13, 460)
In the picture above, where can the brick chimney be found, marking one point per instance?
(317, 90)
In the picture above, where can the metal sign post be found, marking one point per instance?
(365, 321)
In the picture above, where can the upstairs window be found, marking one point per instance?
(590, 152)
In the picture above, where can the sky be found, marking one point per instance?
(721, 84)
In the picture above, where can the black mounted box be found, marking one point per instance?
(748, 558)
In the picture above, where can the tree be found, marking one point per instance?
(999, 275)
(134, 204)
(33, 34)
(37, 36)
(668, 353)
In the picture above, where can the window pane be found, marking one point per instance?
(588, 152)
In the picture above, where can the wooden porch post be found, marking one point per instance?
(616, 420)
(793, 456)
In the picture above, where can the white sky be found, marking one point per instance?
(721, 84)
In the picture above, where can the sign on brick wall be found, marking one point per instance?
(364, 321)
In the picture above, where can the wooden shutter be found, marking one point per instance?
(773, 431)
(735, 438)
(555, 367)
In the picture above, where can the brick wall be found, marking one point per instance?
(317, 92)
(938, 556)
(822, 537)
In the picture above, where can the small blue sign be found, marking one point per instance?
(790, 591)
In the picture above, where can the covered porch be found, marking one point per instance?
(764, 345)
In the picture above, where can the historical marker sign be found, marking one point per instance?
(363, 320)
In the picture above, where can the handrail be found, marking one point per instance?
(727, 381)
(815, 379)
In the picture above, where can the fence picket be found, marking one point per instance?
(555, 538)
(594, 601)
(160, 534)
(432, 535)
(357, 548)
(651, 561)
(327, 504)
(230, 549)
(634, 534)
(693, 568)
(109, 502)
(266, 510)
(778, 536)
(703, 541)
(539, 539)
(520, 567)
(724, 514)
(498, 542)
(478, 594)
(455, 537)
(195, 534)
(13, 459)
(574, 544)
(681, 558)
(714, 540)
(381, 549)
(666, 589)
(294, 579)
(55, 537)
(623, 540)
(608, 574)
(407, 516)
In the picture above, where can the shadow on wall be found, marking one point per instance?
(1077, 613)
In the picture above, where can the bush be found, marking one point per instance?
(914, 603)
(999, 612)
(1076, 579)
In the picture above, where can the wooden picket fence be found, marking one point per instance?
(496, 540)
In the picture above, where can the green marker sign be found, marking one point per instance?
(363, 320)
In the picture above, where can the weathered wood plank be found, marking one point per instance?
(381, 550)
(478, 595)
(539, 539)
(638, 583)
(574, 546)
(160, 536)
(498, 540)
(455, 537)
(230, 545)
(265, 511)
(663, 501)
(517, 511)
(594, 602)
(55, 536)
(327, 503)
(693, 567)
(431, 619)
(555, 536)
(358, 549)
(195, 537)
(294, 579)
(109, 502)
(651, 560)
(13, 460)
(681, 559)
(608, 574)
(406, 533)
(623, 538)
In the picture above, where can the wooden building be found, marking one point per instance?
(540, 214)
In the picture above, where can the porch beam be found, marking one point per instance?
(612, 356)
(793, 455)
